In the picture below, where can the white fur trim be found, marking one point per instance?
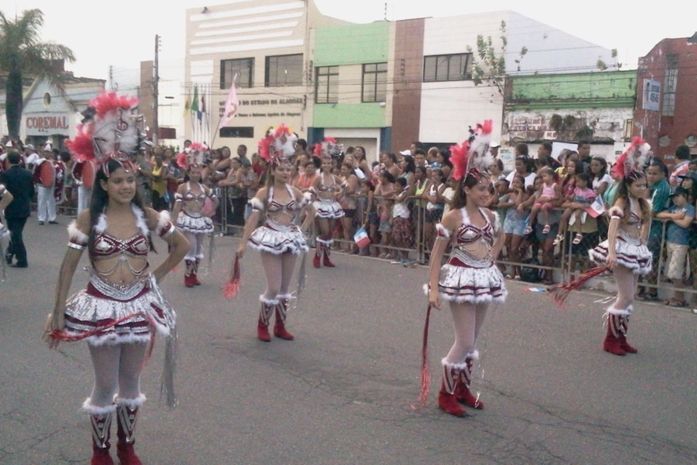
(163, 219)
(621, 312)
(113, 339)
(256, 204)
(285, 296)
(131, 403)
(95, 409)
(101, 224)
(266, 301)
(76, 235)
(140, 220)
(442, 231)
(324, 241)
(474, 355)
(307, 197)
(458, 366)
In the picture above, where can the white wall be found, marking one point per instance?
(549, 49)
(448, 108)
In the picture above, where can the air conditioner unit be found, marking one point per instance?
(550, 135)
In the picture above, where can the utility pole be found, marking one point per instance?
(155, 84)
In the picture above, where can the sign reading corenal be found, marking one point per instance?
(39, 124)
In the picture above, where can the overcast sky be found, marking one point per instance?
(121, 33)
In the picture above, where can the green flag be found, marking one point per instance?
(194, 102)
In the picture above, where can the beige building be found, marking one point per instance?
(265, 43)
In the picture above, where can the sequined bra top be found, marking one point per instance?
(275, 207)
(106, 245)
(189, 194)
(466, 236)
(468, 233)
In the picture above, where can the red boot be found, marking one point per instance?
(127, 413)
(624, 326)
(101, 430)
(612, 343)
(189, 273)
(328, 263)
(267, 307)
(447, 401)
(279, 329)
(195, 273)
(316, 260)
(462, 391)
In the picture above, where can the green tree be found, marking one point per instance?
(489, 62)
(23, 54)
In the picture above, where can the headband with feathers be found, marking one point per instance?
(278, 145)
(328, 147)
(196, 154)
(110, 130)
(631, 163)
(472, 157)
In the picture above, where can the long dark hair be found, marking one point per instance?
(622, 193)
(460, 198)
(100, 200)
(603, 167)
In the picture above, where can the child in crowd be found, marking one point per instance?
(385, 193)
(548, 198)
(515, 221)
(401, 226)
(575, 210)
(680, 216)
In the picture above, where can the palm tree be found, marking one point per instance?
(22, 53)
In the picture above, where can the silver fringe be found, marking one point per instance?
(301, 275)
(170, 362)
(169, 370)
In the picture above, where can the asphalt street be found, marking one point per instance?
(341, 393)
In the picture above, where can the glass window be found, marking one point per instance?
(243, 67)
(284, 70)
(456, 67)
(374, 82)
(327, 84)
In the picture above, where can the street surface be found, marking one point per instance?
(341, 393)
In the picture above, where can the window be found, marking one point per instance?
(284, 70)
(243, 67)
(374, 82)
(670, 85)
(327, 84)
(448, 67)
(247, 132)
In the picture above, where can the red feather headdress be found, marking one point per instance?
(631, 162)
(472, 157)
(278, 145)
(111, 130)
(196, 154)
(328, 147)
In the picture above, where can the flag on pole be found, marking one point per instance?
(232, 103)
(194, 101)
(187, 105)
(202, 110)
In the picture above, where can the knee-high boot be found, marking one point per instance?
(126, 414)
(195, 274)
(462, 392)
(100, 421)
(267, 308)
(447, 401)
(615, 324)
(327, 247)
(279, 329)
(319, 252)
(189, 273)
(624, 328)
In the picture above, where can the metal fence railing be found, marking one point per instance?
(567, 259)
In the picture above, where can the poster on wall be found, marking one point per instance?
(651, 95)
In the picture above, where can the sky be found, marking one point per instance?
(121, 34)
